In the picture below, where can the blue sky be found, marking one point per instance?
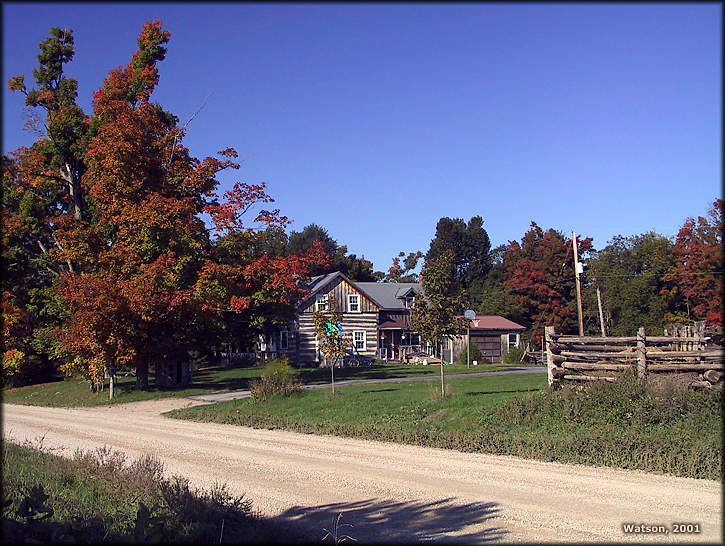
(376, 120)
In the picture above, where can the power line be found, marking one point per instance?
(678, 273)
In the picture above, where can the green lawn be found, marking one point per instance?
(625, 425)
(75, 392)
(405, 406)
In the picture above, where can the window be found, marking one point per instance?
(358, 337)
(408, 302)
(283, 340)
(321, 303)
(513, 340)
(353, 303)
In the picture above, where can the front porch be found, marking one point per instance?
(395, 343)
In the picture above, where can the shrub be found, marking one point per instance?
(97, 497)
(20, 369)
(278, 379)
(514, 356)
(476, 354)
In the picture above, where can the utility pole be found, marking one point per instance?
(578, 269)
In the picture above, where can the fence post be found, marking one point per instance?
(548, 331)
(641, 354)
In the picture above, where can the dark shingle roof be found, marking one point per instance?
(387, 294)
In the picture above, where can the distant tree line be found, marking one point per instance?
(646, 280)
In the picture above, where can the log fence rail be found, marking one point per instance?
(683, 349)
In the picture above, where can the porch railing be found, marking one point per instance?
(397, 353)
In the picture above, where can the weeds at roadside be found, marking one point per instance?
(101, 497)
(336, 536)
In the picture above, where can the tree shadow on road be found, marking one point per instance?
(376, 521)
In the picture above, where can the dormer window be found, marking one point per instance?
(321, 303)
(353, 303)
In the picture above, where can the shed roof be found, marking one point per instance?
(494, 322)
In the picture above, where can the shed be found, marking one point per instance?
(493, 334)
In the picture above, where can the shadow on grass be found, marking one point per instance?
(323, 374)
(203, 379)
(375, 521)
(478, 393)
(378, 390)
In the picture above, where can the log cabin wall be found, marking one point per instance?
(364, 321)
(340, 290)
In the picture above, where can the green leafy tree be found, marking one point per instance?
(404, 272)
(357, 269)
(471, 246)
(497, 297)
(331, 340)
(43, 202)
(629, 274)
(434, 312)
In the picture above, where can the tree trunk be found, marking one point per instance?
(142, 376)
(443, 378)
(74, 189)
(332, 375)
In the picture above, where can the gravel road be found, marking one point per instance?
(388, 492)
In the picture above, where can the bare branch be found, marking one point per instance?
(183, 128)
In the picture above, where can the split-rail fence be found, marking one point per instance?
(683, 350)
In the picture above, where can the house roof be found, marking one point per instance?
(321, 280)
(494, 322)
(317, 283)
(388, 323)
(387, 294)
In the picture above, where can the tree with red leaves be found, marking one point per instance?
(539, 271)
(145, 275)
(698, 272)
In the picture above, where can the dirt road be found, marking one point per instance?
(388, 492)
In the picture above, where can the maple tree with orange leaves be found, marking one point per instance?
(697, 274)
(111, 206)
(539, 272)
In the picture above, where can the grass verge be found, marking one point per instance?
(625, 424)
(72, 392)
(98, 497)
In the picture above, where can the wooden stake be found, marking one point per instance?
(548, 331)
(601, 315)
(641, 355)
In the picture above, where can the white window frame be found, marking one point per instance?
(364, 340)
(283, 340)
(515, 342)
(350, 303)
(321, 302)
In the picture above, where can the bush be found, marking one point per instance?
(514, 356)
(97, 497)
(476, 354)
(20, 369)
(278, 379)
